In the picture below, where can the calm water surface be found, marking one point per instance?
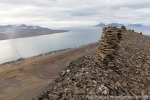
(27, 47)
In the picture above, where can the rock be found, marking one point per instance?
(59, 79)
(53, 97)
(103, 89)
(68, 70)
(124, 28)
(63, 73)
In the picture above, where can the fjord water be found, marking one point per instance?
(27, 47)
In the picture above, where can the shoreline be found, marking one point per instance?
(19, 63)
(32, 57)
(27, 78)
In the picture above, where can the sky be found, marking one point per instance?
(60, 13)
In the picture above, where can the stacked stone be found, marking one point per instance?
(123, 28)
(108, 45)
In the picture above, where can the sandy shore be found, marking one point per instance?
(24, 79)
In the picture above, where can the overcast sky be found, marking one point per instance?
(57, 13)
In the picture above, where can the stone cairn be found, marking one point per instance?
(87, 75)
(108, 45)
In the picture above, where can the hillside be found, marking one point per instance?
(22, 80)
(121, 67)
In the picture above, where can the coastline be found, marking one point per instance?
(32, 57)
(11, 65)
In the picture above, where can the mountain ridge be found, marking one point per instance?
(21, 31)
(119, 25)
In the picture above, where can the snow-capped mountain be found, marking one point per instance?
(118, 25)
(19, 31)
(115, 24)
(21, 27)
(111, 24)
(136, 25)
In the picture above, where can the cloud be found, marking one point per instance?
(29, 2)
(73, 12)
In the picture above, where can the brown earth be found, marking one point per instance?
(25, 79)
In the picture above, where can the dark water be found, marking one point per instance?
(32, 46)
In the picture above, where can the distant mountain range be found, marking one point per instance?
(20, 31)
(136, 25)
(118, 25)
